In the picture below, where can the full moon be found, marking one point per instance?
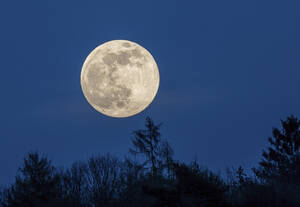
(119, 78)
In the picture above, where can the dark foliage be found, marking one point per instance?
(159, 181)
(276, 182)
(281, 162)
(36, 184)
(146, 142)
(199, 187)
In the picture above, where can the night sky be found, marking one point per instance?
(229, 71)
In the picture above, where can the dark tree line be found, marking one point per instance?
(157, 180)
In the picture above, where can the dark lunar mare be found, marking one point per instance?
(115, 93)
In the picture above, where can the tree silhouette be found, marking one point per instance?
(166, 154)
(112, 182)
(104, 174)
(75, 184)
(199, 187)
(36, 184)
(146, 142)
(281, 161)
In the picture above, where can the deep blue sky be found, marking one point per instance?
(230, 70)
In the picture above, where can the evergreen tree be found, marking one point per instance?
(281, 162)
(36, 183)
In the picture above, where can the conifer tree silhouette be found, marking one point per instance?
(281, 161)
(36, 183)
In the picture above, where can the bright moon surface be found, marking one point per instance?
(119, 78)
